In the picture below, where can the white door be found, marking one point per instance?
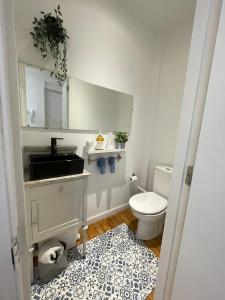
(200, 273)
(53, 109)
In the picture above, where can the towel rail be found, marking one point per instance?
(118, 158)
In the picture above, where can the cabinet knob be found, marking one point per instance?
(61, 188)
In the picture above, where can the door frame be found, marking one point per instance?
(12, 190)
(8, 281)
(202, 47)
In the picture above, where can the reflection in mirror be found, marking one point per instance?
(92, 107)
(76, 105)
(43, 102)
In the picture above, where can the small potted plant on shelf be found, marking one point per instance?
(121, 137)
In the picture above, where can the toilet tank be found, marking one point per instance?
(161, 180)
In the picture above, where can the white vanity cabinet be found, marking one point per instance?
(54, 206)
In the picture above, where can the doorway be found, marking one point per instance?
(182, 168)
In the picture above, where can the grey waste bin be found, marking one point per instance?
(51, 259)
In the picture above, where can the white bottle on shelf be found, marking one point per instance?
(110, 141)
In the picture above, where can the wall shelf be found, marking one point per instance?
(107, 151)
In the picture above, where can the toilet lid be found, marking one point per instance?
(148, 203)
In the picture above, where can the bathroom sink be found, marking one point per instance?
(46, 166)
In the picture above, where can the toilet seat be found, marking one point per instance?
(148, 203)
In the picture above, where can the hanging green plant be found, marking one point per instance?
(51, 38)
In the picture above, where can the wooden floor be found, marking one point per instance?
(127, 217)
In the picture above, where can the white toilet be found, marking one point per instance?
(150, 208)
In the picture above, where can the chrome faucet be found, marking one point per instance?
(54, 145)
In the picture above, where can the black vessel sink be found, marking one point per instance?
(46, 166)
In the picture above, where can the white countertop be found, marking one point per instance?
(56, 179)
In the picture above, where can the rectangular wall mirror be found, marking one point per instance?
(77, 105)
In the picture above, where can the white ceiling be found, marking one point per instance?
(161, 14)
(157, 14)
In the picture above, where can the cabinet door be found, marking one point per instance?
(53, 215)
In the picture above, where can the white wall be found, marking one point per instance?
(174, 49)
(107, 51)
(200, 270)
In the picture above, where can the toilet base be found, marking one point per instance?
(149, 230)
(149, 226)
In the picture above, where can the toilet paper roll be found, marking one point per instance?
(50, 252)
(133, 178)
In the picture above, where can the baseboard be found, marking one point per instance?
(107, 213)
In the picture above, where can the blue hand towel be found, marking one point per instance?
(112, 164)
(101, 164)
